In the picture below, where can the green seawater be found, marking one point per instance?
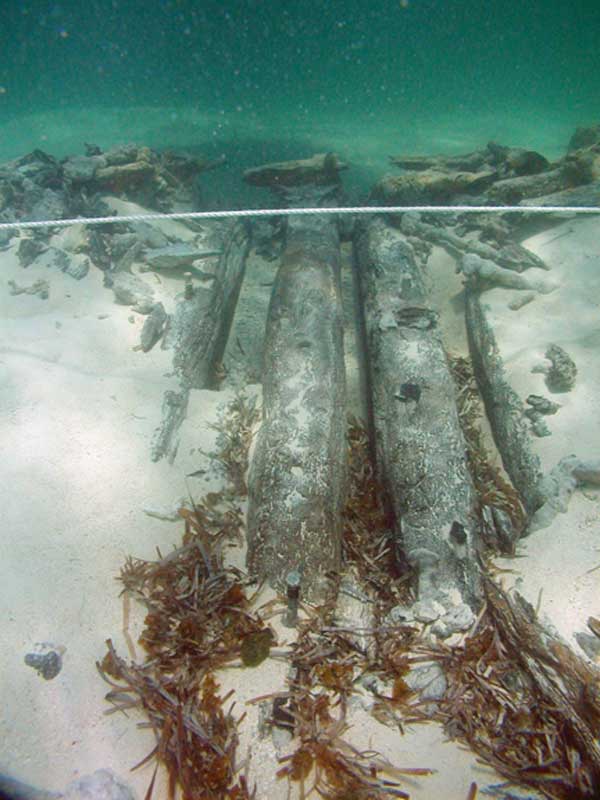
(271, 80)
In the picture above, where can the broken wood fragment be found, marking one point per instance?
(319, 170)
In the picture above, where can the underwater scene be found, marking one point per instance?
(299, 400)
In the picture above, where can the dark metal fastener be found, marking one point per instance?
(292, 583)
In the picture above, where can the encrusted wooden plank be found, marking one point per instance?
(298, 471)
(419, 443)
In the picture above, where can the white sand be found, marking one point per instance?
(78, 407)
(557, 559)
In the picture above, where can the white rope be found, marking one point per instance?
(272, 212)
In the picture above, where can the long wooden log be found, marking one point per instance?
(419, 442)
(298, 470)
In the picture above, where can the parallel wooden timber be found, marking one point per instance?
(419, 443)
(504, 408)
(298, 470)
(198, 333)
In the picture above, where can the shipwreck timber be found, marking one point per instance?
(419, 444)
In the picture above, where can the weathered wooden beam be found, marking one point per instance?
(419, 443)
(198, 333)
(321, 169)
(504, 408)
(298, 470)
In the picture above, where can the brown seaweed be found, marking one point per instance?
(196, 737)
(521, 700)
(235, 431)
(326, 665)
(336, 769)
(367, 542)
(198, 618)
